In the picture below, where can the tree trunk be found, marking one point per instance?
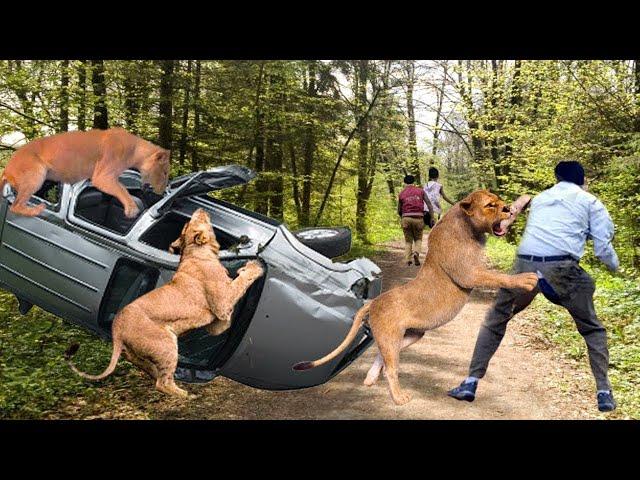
(388, 176)
(196, 117)
(82, 95)
(332, 178)
(414, 164)
(165, 124)
(440, 99)
(466, 94)
(30, 129)
(296, 189)
(493, 102)
(63, 125)
(515, 101)
(262, 185)
(185, 115)
(100, 114)
(309, 145)
(637, 91)
(131, 103)
(275, 155)
(362, 135)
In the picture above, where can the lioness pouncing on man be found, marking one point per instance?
(101, 155)
(454, 266)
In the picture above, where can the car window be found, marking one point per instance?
(162, 233)
(50, 193)
(103, 210)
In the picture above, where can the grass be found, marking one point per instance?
(617, 302)
(34, 378)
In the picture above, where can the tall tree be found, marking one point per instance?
(185, 115)
(309, 143)
(410, 80)
(262, 184)
(100, 113)
(131, 99)
(196, 116)
(362, 78)
(637, 92)
(30, 128)
(63, 125)
(165, 123)
(274, 146)
(439, 101)
(82, 95)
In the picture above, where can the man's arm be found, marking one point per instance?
(445, 197)
(601, 230)
(399, 207)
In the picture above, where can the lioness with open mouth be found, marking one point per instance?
(455, 265)
(101, 155)
(201, 293)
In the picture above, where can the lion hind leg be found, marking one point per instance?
(32, 175)
(167, 362)
(142, 363)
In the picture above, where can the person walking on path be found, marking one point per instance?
(411, 210)
(561, 220)
(434, 190)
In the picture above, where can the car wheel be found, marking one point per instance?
(330, 242)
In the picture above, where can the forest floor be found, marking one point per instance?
(528, 379)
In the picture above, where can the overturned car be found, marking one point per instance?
(83, 260)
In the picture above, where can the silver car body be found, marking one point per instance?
(302, 308)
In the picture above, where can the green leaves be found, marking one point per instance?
(34, 377)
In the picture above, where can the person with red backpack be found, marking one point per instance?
(410, 208)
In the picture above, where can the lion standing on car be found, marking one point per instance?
(101, 155)
(201, 293)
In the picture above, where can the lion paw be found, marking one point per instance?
(402, 398)
(131, 211)
(526, 281)
(252, 269)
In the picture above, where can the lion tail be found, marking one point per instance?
(117, 351)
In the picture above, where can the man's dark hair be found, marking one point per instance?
(433, 173)
(409, 179)
(570, 171)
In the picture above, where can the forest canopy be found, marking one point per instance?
(332, 140)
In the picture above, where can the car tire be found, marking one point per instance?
(331, 242)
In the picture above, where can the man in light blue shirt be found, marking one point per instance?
(561, 220)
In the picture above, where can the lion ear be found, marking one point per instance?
(200, 238)
(161, 156)
(465, 205)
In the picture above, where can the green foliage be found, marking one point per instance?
(34, 377)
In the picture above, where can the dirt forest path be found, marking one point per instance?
(526, 380)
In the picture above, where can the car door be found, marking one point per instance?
(46, 262)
